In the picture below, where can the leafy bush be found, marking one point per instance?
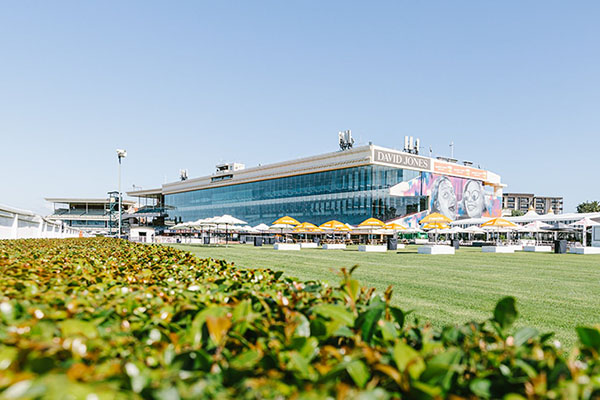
(104, 319)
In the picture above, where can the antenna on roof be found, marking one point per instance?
(411, 145)
(346, 139)
(183, 174)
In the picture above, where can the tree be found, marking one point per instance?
(589, 206)
(516, 213)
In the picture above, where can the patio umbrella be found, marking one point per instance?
(499, 223)
(436, 226)
(331, 224)
(585, 222)
(394, 226)
(372, 222)
(435, 217)
(262, 227)
(474, 229)
(286, 222)
(305, 225)
(536, 226)
(227, 220)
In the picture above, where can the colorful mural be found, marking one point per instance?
(456, 198)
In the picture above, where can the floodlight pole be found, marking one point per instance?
(120, 155)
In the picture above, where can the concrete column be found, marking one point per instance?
(15, 227)
(40, 232)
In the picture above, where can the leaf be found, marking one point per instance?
(218, 328)
(74, 327)
(523, 335)
(7, 356)
(352, 287)
(367, 321)
(398, 315)
(407, 358)
(335, 312)
(300, 364)
(195, 331)
(303, 326)
(505, 312)
(481, 387)
(589, 337)
(246, 360)
(442, 367)
(242, 310)
(359, 373)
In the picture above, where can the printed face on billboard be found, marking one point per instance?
(456, 198)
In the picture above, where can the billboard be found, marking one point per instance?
(456, 198)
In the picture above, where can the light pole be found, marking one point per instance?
(120, 154)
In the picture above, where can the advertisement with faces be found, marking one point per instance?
(456, 198)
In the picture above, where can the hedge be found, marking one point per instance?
(104, 319)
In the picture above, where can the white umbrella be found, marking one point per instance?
(536, 226)
(262, 227)
(249, 229)
(474, 229)
(585, 222)
(228, 220)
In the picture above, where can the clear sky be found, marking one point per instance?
(515, 85)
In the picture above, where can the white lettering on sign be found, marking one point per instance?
(403, 159)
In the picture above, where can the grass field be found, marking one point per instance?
(555, 292)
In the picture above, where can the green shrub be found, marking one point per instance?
(103, 318)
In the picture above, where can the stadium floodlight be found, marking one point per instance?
(120, 154)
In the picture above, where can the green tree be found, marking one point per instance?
(589, 206)
(516, 213)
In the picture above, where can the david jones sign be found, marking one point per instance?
(403, 159)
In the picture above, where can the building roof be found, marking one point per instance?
(358, 156)
(82, 200)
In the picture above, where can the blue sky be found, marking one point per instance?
(515, 85)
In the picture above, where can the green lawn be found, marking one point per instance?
(555, 292)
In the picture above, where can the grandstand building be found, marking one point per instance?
(92, 216)
(349, 185)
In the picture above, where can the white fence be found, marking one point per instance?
(23, 224)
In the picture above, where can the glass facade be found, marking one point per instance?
(350, 195)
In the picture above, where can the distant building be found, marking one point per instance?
(93, 216)
(524, 201)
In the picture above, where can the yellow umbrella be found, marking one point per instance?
(373, 222)
(286, 221)
(435, 217)
(343, 228)
(500, 223)
(300, 229)
(331, 224)
(436, 225)
(394, 226)
(316, 229)
(306, 225)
